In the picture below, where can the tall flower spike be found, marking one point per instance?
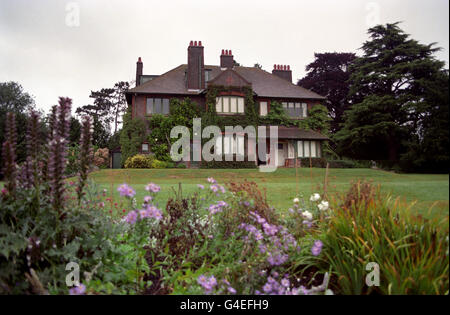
(9, 155)
(57, 154)
(86, 155)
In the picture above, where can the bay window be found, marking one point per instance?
(229, 105)
(307, 148)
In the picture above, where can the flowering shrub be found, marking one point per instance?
(101, 158)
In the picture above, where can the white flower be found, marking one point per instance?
(323, 205)
(307, 215)
(315, 197)
(296, 200)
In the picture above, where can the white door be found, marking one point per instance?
(280, 156)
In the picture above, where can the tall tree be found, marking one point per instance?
(109, 105)
(387, 95)
(327, 75)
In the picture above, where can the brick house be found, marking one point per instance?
(152, 95)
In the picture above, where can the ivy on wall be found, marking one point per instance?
(132, 135)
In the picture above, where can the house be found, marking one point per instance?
(152, 95)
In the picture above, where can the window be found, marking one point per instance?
(230, 105)
(231, 145)
(309, 149)
(291, 150)
(305, 110)
(263, 108)
(145, 147)
(157, 106)
(295, 110)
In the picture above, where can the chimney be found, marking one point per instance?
(283, 72)
(139, 67)
(196, 66)
(226, 59)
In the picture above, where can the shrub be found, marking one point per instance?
(181, 165)
(313, 162)
(101, 158)
(158, 164)
(412, 253)
(140, 161)
(341, 164)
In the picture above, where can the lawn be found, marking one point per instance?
(430, 191)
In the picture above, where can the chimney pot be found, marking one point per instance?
(195, 43)
(200, 43)
(191, 43)
(231, 53)
(274, 67)
(223, 52)
(139, 59)
(289, 68)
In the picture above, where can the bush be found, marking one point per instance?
(140, 161)
(101, 158)
(181, 165)
(342, 164)
(158, 164)
(314, 162)
(412, 253)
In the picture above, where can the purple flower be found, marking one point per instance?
(285, 283)
(147, 199)
(79, 290)
(152, 188)
(214, 188)
(211, 180)
(126, 191)
(231, 290)
(207, 283)
(317, 248)
(267, 287)
(131, 217)
(201, 186)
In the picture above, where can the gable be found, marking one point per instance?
(229, 77)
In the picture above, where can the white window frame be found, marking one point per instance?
(230, 105)
(263, 108)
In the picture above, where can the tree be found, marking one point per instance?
(74, 131)
(387, 90)
(328, 75)
(109, 105)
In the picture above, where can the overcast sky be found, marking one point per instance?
(50, 51)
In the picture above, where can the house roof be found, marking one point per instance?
(264, 84)
(297, 133)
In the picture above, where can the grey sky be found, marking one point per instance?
(51, 59)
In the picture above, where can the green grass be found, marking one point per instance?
(430, 191)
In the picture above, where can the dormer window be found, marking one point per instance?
(230, 105)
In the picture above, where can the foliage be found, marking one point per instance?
(140, 161)
(412, 253)
(328, 76)
(132, 135)
(182, 113)
(391, 96)
(109, 105)
(101, 158)
(276, 116)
